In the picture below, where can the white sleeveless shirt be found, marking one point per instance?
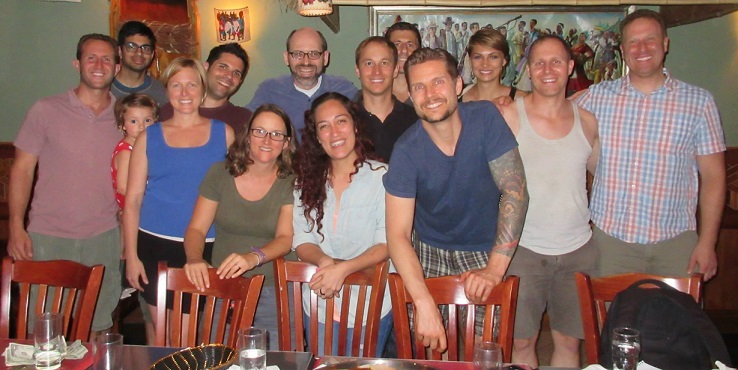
(557, 221)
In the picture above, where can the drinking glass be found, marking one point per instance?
(108, 352)
(626, 347)
(252, 349)
(487, 356)
(49, 345)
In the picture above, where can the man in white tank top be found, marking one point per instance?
(558, 144)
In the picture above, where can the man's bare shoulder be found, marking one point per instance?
(589, 123)
(510, 114)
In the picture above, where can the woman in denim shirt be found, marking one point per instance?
(339, 204)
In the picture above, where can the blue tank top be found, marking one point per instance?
(174, 178)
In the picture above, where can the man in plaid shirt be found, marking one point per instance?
(662, 155)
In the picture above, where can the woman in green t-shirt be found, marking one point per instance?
(254, 226)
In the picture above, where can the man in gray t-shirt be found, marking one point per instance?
(137, 44)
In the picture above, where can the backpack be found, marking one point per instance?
(675, 332)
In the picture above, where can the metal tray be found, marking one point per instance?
(206, 357)
(390, 363)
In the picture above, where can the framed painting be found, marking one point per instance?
(592, 33)
(232, 25)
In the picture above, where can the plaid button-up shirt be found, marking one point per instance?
(646, 186)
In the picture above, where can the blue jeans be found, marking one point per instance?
(385, 328)
(266, 317)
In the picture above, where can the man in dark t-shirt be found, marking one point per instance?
(226, 67)
(385, 117)
(456, 179)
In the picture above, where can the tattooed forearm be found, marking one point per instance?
(509, 176)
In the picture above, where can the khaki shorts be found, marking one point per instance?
(668, 258)
(547, 284)
(104, 249)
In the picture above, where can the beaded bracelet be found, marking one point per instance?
(260, 254)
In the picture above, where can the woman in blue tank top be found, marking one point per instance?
(166, 168)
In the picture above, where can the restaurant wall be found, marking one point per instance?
(38, 40)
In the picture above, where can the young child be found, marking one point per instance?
(132, 114)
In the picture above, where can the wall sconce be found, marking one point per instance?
(314, 8)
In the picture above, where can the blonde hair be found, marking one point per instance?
(181, 63)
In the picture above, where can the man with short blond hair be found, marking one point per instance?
(456, 180)
(557, 142)
(70, 137)
(662, 156)
(385, 117)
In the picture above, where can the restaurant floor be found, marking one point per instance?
(133, 332)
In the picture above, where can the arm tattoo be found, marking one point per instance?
(509, 176)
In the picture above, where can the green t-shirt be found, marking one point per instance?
(241, 224)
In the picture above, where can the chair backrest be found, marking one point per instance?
(235, 299)
(449, 291)
(292, 274)
(75, 290)
(596, 293)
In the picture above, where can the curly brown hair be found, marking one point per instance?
(313, 165)
(238, 158)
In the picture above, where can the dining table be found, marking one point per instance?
(336, 362)
(140, 357)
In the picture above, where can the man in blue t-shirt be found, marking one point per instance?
(457, 178)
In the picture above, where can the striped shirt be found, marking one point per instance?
(646, 187)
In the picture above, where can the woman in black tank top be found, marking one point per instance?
(489, 54)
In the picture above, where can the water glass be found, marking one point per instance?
(626, 348)
(49, 345)
(487, 356)
(252, 349)
(108, 352)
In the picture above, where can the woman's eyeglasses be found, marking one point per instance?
(274, 135)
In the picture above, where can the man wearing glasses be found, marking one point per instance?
(306, 56)
(137, 50)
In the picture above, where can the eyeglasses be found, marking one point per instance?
(132, 47)
(274, 135)
(312, 55)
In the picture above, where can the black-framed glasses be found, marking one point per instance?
(131, 47)
(312, 55)
(274, 135)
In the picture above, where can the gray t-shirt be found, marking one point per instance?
(151, 87)
(241, 224)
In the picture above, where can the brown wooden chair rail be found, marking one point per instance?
(595, 293)
(295, 274)
(449, 291)
(238, 297)
(75, 290)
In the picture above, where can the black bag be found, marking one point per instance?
(675, 332)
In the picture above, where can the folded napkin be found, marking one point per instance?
(236, 367)
(644, 366)
(22, 354)
(641, 366)
(722, 366)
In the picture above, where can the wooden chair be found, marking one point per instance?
(595, 293)
(449, 291)
(75, 291)
(295, 274)
(237, 299)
